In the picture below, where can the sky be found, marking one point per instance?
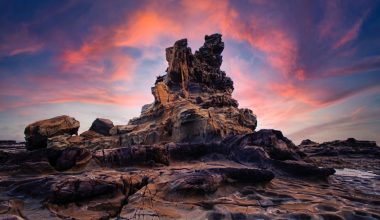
(306, 67)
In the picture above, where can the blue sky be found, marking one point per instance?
(308, 68)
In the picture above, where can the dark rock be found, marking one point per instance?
(25, 162)
(350, 146)
(90, 135)
(302, 169)
(102, 126)
(211, 51)
(74, 189)
(207, 181)
(35, 187)
(344, 154)
(195, 183)
(37, 133)
(274, 142)
(189, 151)
(243, 175)
(77, 188)
(252, 154)
(67, 158)
(134, 155)
(7, 142)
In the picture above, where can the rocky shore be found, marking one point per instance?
(191, 154)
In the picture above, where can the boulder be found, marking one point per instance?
(199, 182)
(102, 126)
(37, 133)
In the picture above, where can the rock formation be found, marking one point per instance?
(192, 101)
(192, 154)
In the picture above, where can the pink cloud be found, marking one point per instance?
(27, 49)
(351, 34)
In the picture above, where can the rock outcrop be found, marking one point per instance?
(349, 153)
(36, 134)
(192, 102)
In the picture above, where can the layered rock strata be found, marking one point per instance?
(192, 101)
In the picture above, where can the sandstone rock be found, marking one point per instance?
(102, 126)
(90, 135)
(90, 140)
(11, 210)
(193, 101)
(37, 133)
(121, 129)
(104, 142)
(64, 141)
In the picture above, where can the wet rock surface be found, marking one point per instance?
(192, 154)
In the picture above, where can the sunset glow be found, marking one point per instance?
(308, 68)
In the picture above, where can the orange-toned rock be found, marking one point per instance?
(193, 101)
